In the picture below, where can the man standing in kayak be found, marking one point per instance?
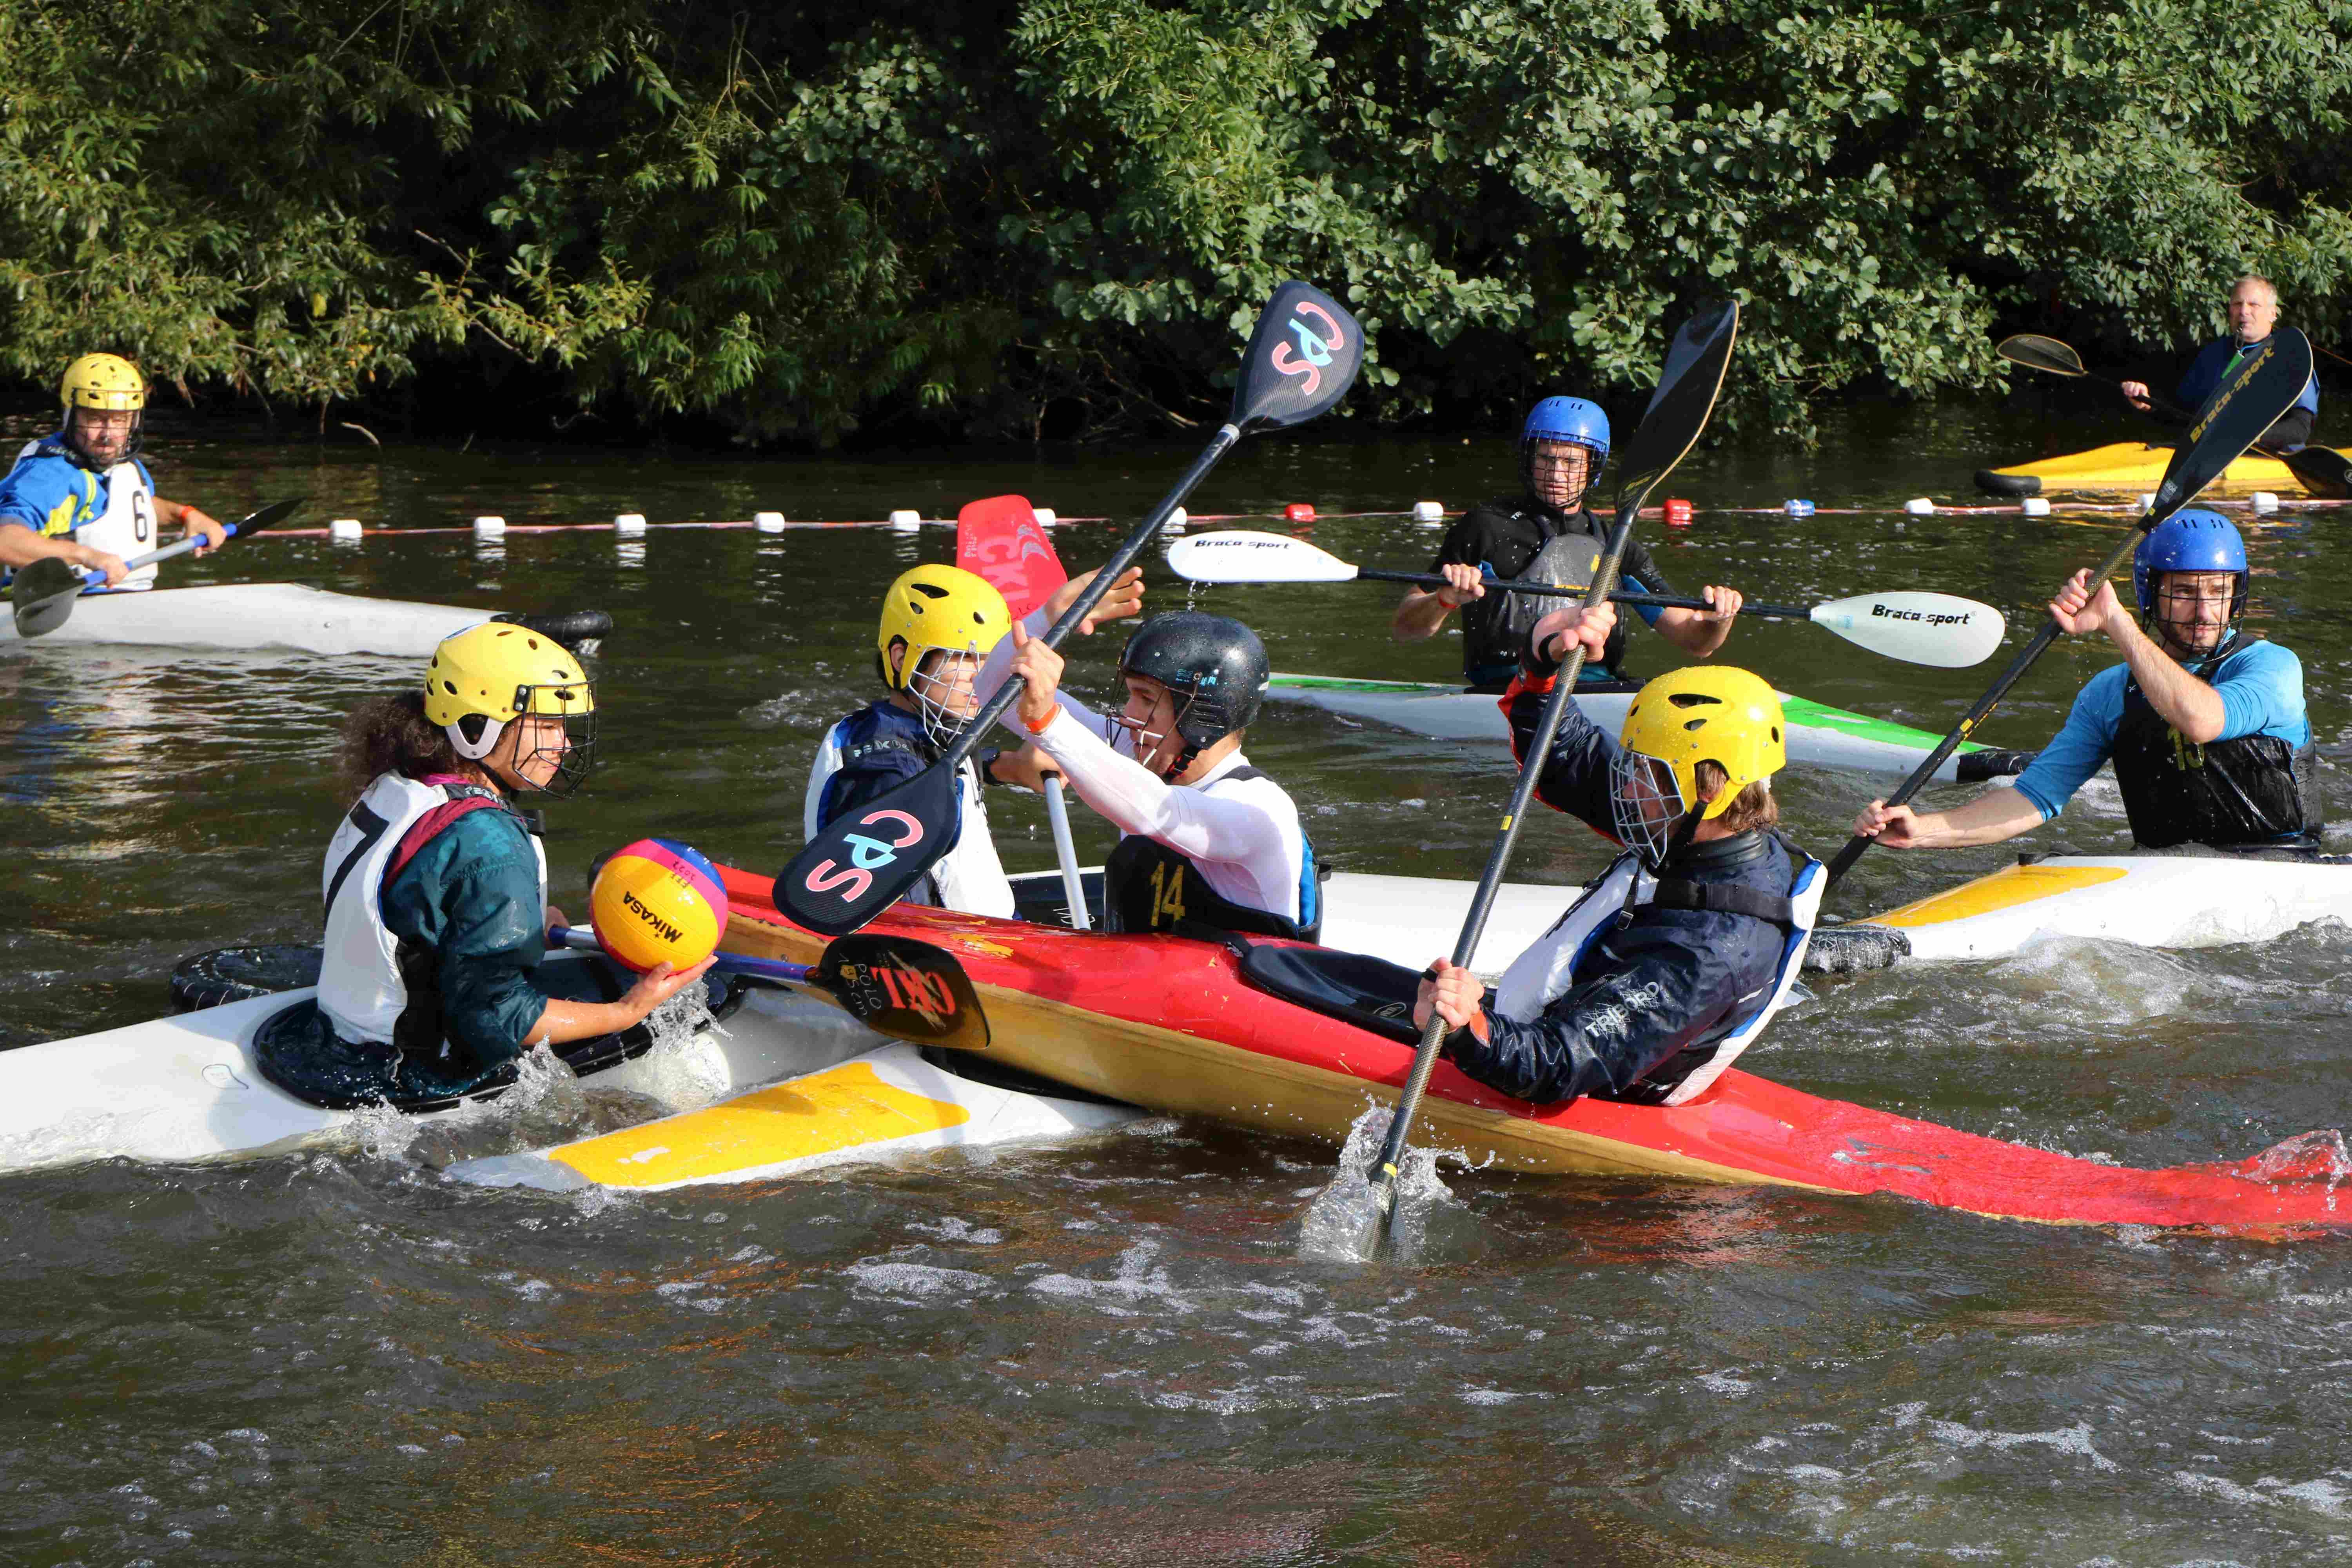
(436, 885)
(1675, 958)
(2253, 311)
(938, 624)
(1207, 840)
(2205, 724)
(1546, 533)
(82, 494)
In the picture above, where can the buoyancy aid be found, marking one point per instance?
(1146, 886)
(970, 876)
(362, 990)
(1546, 969)
(2254, 789)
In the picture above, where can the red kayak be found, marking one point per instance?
(1300, 1039)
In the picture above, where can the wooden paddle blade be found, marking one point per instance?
(2035, 351)
(2321, 470)
(2244, 406)
(907, 989)
(1936, 629)
(1001, 540)
(1302, 358)
(43, 595)
(1688, 385)
(1253, 555)
(865, 861)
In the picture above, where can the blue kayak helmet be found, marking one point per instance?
(2194, 539)
(1575, 420)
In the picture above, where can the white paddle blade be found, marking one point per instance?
(1918, 628)
(1248, 555)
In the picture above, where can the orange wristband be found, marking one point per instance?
(1039, 728)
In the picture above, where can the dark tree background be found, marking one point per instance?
(1056, 217)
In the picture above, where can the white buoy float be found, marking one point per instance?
(346, 530)
(629, 525)
(1919, 506)
(2264, 500)
(1045, 516)
(1428, 511)
(906, 520)
(2034, 506)
(489, 528)
(1176, 521)
(768, 522)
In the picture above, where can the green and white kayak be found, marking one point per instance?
(1817, 734)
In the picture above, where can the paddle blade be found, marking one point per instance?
(1251, 555)
(1001, 540)
(909, 990)
(2233, 419)
(1694, 367)
(1302, 358)
(43, 596)
(867, 858)
(270, 516)
(2035, 351)
(1936, 629)
(2321, 471)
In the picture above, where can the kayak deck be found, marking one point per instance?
(242, 616)
(1817, 734)
(2150, 900)
(2129, 466)
(1170, 1025)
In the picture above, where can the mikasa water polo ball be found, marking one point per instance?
(658, 902)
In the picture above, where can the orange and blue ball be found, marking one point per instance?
(658, 902)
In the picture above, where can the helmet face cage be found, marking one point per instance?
(1645, 803)
(1136, 738)
(77, 443)
(941, 681)
(476, 736)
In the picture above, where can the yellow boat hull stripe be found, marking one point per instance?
(846, 1107)
(2003, 890)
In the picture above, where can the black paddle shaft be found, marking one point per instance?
(2244, 406)
(1688, 386)
(1553, 590)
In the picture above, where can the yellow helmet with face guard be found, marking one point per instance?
(1705, 714)
(483, 678)
(942, 610)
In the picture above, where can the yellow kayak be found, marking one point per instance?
(2131, 466)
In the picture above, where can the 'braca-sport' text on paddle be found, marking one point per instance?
(1693, 375)
(44, 593)
(2244, 406)
(1916, 627)
(1300, 361)
(894, 985)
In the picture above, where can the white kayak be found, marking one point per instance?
(242, 616)
(1817, 734)
(822, 1088)
(2149, 901)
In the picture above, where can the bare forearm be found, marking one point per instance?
(562, 1022)
(1418, 616)
(1692, 633)
(2188, 704)
(1991, 818)
(22, 547)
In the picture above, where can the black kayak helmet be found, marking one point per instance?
(1215, 665)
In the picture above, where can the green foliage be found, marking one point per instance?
(799, 222)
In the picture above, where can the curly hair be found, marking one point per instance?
(392, 734)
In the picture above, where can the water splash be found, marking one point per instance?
(2316, 1156)
(1339, 1224)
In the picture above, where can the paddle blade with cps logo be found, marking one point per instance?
(907, 989)
(1301, 360)
(865, 859)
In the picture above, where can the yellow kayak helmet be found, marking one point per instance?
(484, 677)
(1703, 714)
(107, 382)
(945, 610)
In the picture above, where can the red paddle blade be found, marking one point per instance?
(864, 861)
(1001, 540)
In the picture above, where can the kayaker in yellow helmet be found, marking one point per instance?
(2254, 313)
(2205, 724)
(1676, 957)
(436, 885)
(1546, 533)
(938, 624)
(82, 494)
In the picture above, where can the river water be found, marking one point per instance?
(1112, 1350)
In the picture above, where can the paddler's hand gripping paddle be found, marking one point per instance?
(44, 593)
(2240, 409)
(1696, 362)
(1300, 361)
